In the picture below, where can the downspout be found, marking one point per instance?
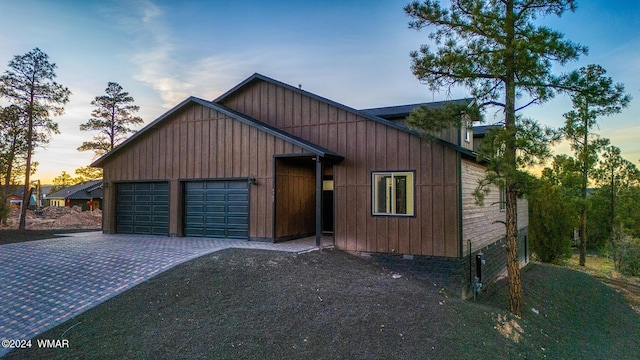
(470, 264)
(274, 189)
(460, 233)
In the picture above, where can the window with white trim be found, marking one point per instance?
(467, 131)
(393, 193)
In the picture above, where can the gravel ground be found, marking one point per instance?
(254, 304)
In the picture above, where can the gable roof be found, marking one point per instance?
(259, 77)
(312, 148)
(368, 115)
(86, 190)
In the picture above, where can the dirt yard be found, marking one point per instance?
(54, 217)
(253, 304)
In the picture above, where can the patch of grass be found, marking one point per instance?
(595, 264)
(251, 304)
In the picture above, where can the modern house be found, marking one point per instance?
(267, 161)
(87, 195)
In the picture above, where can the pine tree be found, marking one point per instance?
(593, 95)
(112, 118)
(28, 84)
(494, 48)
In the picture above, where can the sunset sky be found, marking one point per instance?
(353, 52)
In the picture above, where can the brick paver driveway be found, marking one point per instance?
(44, 283)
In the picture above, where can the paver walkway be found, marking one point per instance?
(46, 282)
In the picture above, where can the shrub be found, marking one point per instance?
(631, 259)
(552, 218)
(5, 210)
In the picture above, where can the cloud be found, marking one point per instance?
(213, 75)
(153, 54)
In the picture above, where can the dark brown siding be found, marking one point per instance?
(295, 198)
(368, 146)
(200, 143)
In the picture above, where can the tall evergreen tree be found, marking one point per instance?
(112, 118)
(13, 145)
(494, 48)
(615, 174)
(29, 84)
(593, 95)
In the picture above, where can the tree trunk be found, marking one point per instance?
(513, 263)
(26, 197)
(585, 182)
(613, 200)
(513, 266)
(583, 234)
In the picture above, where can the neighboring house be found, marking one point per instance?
(87, 195)
(15, 193)
(14, 200)
(267, 161)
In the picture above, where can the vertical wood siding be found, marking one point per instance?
(295, 199)
(200, 143)
(368, 146)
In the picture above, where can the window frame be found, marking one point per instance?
(467, 132)
(502, 198)
(412, 186)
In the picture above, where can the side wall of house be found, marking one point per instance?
(200, 143)
(368, 146)
(484, 230)
(484, 225)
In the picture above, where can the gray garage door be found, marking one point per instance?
(142, 208)
(217, 209)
